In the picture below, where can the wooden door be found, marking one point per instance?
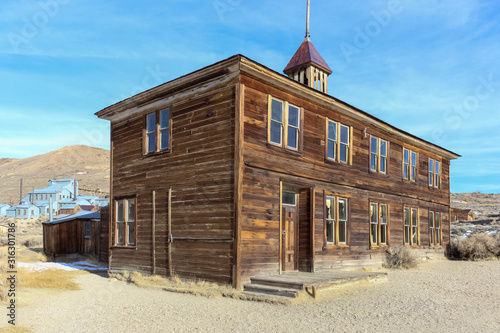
(290, 236)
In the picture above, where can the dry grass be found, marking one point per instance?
(3, 275)
(476, 247)
(400, 257)
(16, 329)
(197, 288)
(48, 279)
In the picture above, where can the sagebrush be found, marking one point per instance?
(400, 257)
(476, 247)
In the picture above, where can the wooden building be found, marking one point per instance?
(235, 170)
(80, 233)
(458, 214)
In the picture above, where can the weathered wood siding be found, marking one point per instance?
(199, 169)
(68, 237)
(266, 165)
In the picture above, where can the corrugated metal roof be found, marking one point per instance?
(81, 215)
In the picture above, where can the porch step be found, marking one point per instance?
(265, 290)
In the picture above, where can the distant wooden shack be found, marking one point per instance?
(79, 233)
(458, 214)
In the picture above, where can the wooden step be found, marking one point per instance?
(271, 282)
(267, 290)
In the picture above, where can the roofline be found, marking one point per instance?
(129, 102)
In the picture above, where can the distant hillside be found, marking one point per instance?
(487, 209)
(90, 165)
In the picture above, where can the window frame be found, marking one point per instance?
(87, 227)
(126, 221)
(338, 143)
(410, 241)
(378, 241)
(410, 168)
(158, 132)
(378, 155)
(285, 126)
(336, 221)
(435, 232)
(434, 172)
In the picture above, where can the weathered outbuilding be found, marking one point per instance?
(78, 233)
(459, 214)
(235, 170)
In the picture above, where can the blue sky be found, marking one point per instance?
(429, 67)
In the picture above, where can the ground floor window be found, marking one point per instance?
(435, 228)
(125, 222)
(86, 227)
(336, 220)
(379, 217)
(411, 232)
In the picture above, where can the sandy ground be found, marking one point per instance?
(440, 296)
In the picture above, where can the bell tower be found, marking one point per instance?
(307, 66)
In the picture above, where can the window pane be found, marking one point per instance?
(293, 136)
(414, 235)
(406, 156)
(119, 211)
(288, 198)
(342, 231)
(131, 210)
(431, 219)
(414, 217)
(164, 118)
(383, 148)
(293, 116)
(343, 153)
(331, 149)
(131, 233)
(330, 208)
(277, 111)
(373, 213)
(332, 130)
(383, 214)
(438, 220)
(407, 216)
(373, 162)
(276, 132)
(431, 165)
(374, 233)
(374, 144)
(165, 138)
(430, 178)
(342, 209)
(87, 228)
(405, 170)
(413, 173)
(151, 122)
(383, 161)
(120, 231)
(151, 142)
(407, 234)
(383, 234)
(344, 134)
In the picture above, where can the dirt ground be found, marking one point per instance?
(441, 296)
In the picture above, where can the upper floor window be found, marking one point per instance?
(157, 131)
(434, 228)
(336, 220)
(378, 155)
(339, 142)
(409, 165)
(285, 124)
(411, 231)
(125, 222)
(434, 173)
(378, 224)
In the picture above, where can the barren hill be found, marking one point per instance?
(89, 165)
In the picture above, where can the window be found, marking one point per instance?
(409, 165)
(284, 127)
(378, 155)
(411, 232)
(125, 222)
(289, 198)
(157, 132)
(336, 219)
(378, 224)
(434, 173)
(435, 228)
(86, 227)
(339, 142)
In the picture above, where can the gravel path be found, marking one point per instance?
(440, 296)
